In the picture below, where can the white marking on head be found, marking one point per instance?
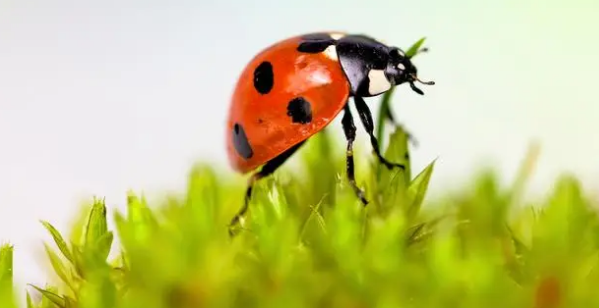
(401, 67)
(378, 82)
(336, 35)
(331, 53)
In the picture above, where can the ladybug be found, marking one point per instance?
(297, 86)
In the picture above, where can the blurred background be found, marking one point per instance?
(99, 97)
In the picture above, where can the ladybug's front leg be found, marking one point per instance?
(366, 118)
(350, 134)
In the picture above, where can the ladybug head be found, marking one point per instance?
(401, 70)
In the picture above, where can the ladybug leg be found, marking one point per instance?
(366, 118)
(268, 168)
(350, 134)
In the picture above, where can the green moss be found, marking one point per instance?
(479, 248)
(6, 274)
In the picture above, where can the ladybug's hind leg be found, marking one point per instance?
(366, 117)
(350, 134)
(268, 168)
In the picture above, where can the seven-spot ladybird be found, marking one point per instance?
(296, 87)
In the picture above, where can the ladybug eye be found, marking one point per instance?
(401, 67)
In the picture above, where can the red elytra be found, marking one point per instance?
(294, 88)
(263, 116)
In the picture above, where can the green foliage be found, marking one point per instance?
(308, 242)
(6, 274)
(478, 248)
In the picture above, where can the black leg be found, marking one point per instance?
(270, 167)
(366, 118)
(350, 134)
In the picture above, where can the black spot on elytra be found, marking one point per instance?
(300, 110)
(264, 78)
(313, 47)
(315, 42)
(260, 121)
(241, 143)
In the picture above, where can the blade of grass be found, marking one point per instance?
(7, 297)
(53, 297)
(29, 301)
(525, 171)
(417, 190)
(96, 224)
(314, 214)
(104, 244)
(57, 265)
(413, 50)
(6, 263)
(58, 239)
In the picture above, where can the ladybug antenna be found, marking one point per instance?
(428, 83)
